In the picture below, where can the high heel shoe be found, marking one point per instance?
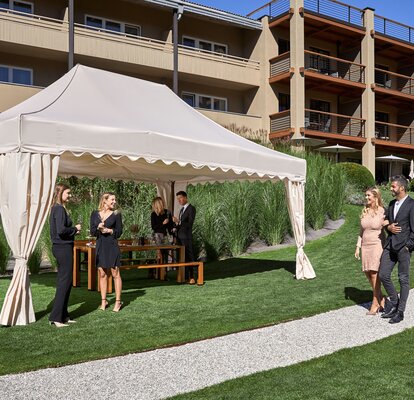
(106, 305)
(120, 306)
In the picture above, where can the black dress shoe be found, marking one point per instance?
(398, 317)
(392, 311)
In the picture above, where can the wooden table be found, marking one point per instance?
(82, 247)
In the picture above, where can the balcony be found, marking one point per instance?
(35, 31)
(393, 88)
(51, 35)
(153, 54)
(336, 73)
(393, 135)
(228, 119)
(332, 9)
(393, 30)
(321, 124)
(280, 70)
(13, 94)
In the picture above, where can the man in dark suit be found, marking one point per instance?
(398, 248)
(184, 225)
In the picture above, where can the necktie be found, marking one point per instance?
(181, 214)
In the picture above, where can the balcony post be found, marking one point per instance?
(368, 96)
(297, 62)
(71, 52)
(177, 14)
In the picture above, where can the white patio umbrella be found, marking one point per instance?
(307, 141)
(411, 174)
(337, 149)
(390, 159)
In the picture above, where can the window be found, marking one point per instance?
(381, 77)
(204, 45)
(284, 102)
(318, 121)
(322, 64)
(284, 46)
(205, 101)
(112, 26)
(22, 76)
(381, 130)
(21, 6)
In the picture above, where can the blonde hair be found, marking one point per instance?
(57, 195)
(104, 197)
(378, 201)
(158, 206)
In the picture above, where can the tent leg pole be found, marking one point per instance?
(71, 49)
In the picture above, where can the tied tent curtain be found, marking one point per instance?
(296, 205)
(27, 183)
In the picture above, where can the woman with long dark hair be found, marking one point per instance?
(62, 234)
(106, 225)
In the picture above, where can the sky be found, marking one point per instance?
(398, 10)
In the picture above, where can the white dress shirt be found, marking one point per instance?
(398, 205)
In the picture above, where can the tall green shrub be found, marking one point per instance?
(272, 216)
(35, 259)
(238, 216)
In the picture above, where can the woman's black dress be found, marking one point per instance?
(108, 254)
(157, 222)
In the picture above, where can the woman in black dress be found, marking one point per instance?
(62, 234)
(106, 225)
(161, 220)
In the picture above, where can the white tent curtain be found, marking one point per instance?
(296, 205)
(27, 182)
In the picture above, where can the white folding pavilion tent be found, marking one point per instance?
(101, 124)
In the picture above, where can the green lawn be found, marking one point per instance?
(382, 371)
(239, 294)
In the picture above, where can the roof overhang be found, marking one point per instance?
(211, 13)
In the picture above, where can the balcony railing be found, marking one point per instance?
(394, 133)
(163, 46)
(280, 121)
(280, 64)
(334, 67)
(394, 29)
(334, 123)
(336, 10)
(272, 9)
(330, 8)
(393, 81)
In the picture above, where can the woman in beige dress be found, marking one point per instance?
(370, 241)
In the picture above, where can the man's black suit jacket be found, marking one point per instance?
(405, 219)
(185, 228)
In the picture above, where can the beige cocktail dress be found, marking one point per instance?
(371, 239)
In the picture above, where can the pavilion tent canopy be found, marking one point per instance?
(126, 128)
(97, 123)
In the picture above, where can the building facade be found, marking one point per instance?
(315, 67)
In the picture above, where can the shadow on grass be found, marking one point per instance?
(244, 266)
(358, 296)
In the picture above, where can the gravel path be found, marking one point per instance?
(166, 372)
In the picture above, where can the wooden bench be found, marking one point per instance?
(181, 267)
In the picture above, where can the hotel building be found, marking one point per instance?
(319, 68)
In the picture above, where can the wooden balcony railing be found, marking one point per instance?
(334, 123)
(394, 133)
(394, 29)
(393, 81)
(280, 64)
(322, 122)
(280, 121)
(334, 67)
